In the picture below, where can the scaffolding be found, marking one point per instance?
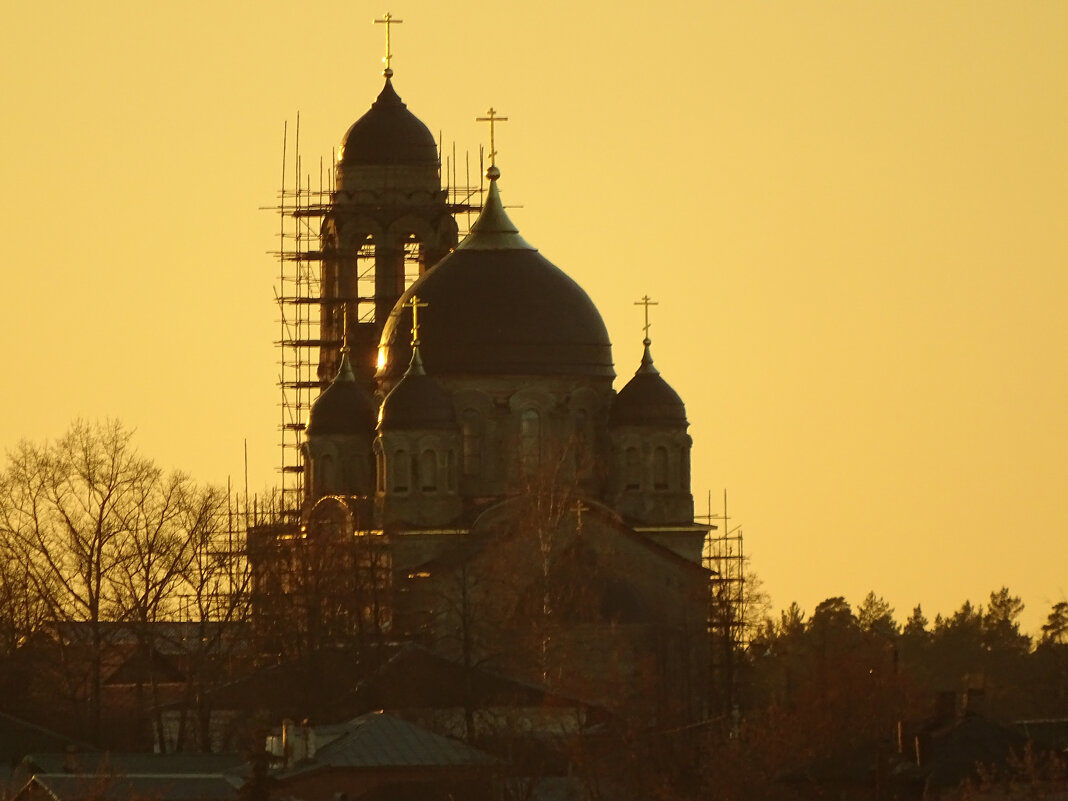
(724, 558)
(302, 210)
(218, 589)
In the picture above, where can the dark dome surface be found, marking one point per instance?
(647, 399)
(344, 407)
(495, 306)
(417, 401)
(388, 134)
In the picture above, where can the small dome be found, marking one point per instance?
(417, 401)
(388, 134)
(647, 399)
(498, 307)
(344, 407)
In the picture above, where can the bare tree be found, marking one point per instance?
(99, 532)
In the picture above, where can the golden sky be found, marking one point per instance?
(852, 214)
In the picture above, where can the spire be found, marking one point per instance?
(647, 367)
(344, 370)
(493, 230)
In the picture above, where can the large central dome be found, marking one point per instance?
(497, 306)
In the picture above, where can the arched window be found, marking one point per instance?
(428, 471)
(632, 476)
(402, 471)
(529, 440)
(471, 440)
(380, 470)
(660, 469)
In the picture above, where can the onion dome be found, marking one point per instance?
(647, 399)
(417, 401)
(388, 134)
(498, 307)
(344, 407)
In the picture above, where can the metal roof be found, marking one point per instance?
(377, 740)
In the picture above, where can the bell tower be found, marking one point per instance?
(387, 221)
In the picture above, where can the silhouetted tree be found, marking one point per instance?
(876, 616)
(1055, 629)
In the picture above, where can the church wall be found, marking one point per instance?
(418, 477)
(603, 616)
(338, 464)
(514, 429)
(650, 482)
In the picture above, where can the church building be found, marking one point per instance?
(474, 481)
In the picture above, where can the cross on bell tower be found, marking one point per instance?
(388, 20)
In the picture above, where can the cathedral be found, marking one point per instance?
(473, 481)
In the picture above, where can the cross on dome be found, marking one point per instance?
(492, 118)
(416, 305)
(388, 20)
(646, 301)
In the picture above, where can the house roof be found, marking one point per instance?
(96, 762)
(159, 787)
(377, 740)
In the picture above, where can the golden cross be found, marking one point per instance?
(492, 118)
(578, 509)
(646, 301)
(387, 21)
(345, 327)
(416, 305)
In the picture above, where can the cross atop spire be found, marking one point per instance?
(492, 118)
(646, 301)
(388, 20)
(345, 327)
(416, 305)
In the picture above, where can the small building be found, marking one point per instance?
(377, 756)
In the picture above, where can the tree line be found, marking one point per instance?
(839, 684)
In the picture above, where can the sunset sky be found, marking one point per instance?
(853, 216)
